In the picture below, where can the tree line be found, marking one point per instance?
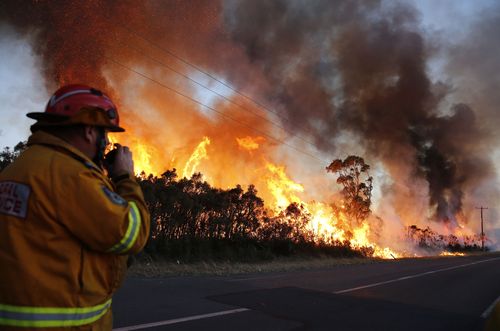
(426, 238)
(192, 220)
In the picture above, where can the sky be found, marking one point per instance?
(21, 88)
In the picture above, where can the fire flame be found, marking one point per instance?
(282, 188)
(324, 224)
(199, 154)
(451, 254)
(249, 143)
(142, 161)
(142, 154)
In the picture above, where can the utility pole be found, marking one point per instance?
(482, 231)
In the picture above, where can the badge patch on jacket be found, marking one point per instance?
(14, 199)
(115, 198)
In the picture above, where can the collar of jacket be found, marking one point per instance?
(44, 138)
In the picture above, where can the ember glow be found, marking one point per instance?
(142, 158)
(451, 254)
(317, 83)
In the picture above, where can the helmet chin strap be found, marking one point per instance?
(101, 147)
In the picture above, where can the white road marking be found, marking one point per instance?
(488, 310)
(180, 320)
(412, 276)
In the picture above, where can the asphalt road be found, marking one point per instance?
(414, 294)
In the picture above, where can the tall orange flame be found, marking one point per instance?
(282, 188)
(199, 154)
(324, 224)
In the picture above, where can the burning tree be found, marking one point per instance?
(193, 220)
(357, 186)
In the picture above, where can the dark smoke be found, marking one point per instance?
(474, 63)
(447, 158)
(76, 39)
(358, 67)
(291, 43)
(70, 36)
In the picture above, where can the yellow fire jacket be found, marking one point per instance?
(65, 232)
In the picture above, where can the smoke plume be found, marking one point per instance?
(362, 67)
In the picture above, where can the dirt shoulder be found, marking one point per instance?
(147, 267)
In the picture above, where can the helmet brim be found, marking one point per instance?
(47, 119)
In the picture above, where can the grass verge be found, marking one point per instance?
(147, 267)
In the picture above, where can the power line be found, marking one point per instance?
(194, 66)
(142, 52)
(199, 69)
(213, 109)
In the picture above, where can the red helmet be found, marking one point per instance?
(79, 104)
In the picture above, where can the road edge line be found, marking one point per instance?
(490, 308)
(180, 320)
(412, 276)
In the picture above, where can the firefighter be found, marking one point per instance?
(67, 225)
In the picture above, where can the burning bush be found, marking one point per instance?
(191, 220)
(433, 241)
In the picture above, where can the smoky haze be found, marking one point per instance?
(362, 67)
(328, 68)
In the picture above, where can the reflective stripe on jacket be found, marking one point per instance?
(65, 232)
(39, 317)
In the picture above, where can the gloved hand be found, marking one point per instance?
(119, 161)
